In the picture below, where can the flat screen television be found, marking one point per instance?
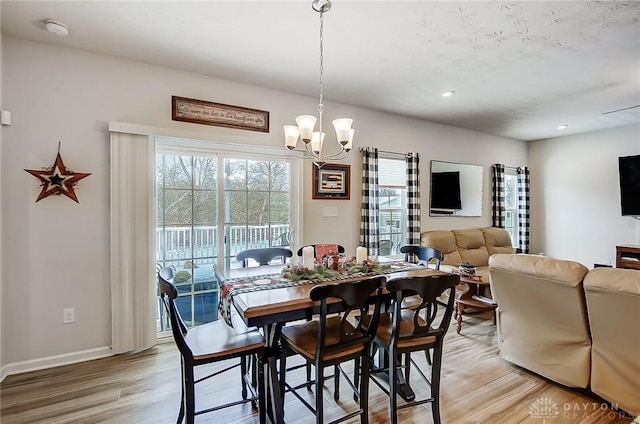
(629, 169)
(445, 190)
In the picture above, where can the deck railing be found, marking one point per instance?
(197, 302)
(202, 242)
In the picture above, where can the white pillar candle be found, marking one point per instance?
(308, 258)
(361, 254)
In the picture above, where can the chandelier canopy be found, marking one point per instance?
(304, 130)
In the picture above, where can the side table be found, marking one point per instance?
(476, 295)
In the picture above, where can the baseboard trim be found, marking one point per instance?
(54, 361)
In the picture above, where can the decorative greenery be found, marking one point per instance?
(299, 272)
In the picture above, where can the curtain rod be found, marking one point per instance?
(360, 149)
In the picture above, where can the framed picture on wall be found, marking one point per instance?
(332, 181)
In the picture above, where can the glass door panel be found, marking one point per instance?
(186, 235)
(258, 205)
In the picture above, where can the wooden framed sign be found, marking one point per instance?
(331, 181)
(218, 114)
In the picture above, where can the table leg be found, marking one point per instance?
(459, 309)
(275, 401)
(402, 388)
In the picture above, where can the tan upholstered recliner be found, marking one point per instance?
(542, 317)
(613, 305)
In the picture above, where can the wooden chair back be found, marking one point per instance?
(429, 288)
(263, 256)
(423, 253)
(356, 297)
(386, 246)
(168, 294)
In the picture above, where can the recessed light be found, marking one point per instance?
(448, 93)
(563, 127)
(57, 28)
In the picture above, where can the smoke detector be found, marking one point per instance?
(57, 28)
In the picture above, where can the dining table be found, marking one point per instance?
(265, 299)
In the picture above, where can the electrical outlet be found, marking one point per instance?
(69, 315)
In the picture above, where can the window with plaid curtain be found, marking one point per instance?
(497, 196)
(370, 206)
(523, 209)
(413, 198)
(519, 199)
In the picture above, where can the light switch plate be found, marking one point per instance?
(330, 211)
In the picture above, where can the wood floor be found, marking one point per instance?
(141, 388)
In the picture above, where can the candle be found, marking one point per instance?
(361, 254)
(308, 258)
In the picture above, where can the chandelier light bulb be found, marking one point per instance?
(291, 134)
(349, 144)
(317, 141)
(306, 124)
(342, 127)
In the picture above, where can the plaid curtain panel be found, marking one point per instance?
(370, 207)
(497, 196)
(523, 209)
(413, 199)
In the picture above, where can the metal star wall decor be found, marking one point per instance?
(57, 179)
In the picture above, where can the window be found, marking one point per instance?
(511, 206)
(210, 205)
(392, 184)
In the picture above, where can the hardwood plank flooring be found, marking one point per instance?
(144, 388)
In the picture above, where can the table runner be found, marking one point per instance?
(234, 286)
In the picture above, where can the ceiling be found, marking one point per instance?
(519, 69)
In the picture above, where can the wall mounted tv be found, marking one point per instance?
(445, 191)
(629, 169)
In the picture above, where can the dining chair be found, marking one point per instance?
(404, 331)
(333, 339)
(263, 256)
(385, 247)
(283, 240)
(299, 253)
(424, 254)
(208, 343)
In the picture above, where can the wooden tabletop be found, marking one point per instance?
(287, 303)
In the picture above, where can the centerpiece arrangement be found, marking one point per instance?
(333, 266)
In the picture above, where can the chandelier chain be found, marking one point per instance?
(313, 141)
(320, 105)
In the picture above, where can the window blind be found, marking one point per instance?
(392, 172)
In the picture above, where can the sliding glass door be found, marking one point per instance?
(210, 205)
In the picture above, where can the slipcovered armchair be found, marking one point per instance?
(613, 302)
(542, 317)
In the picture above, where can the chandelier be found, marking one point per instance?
(314, 140)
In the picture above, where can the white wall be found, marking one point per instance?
(59, 250)
(576, 196)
